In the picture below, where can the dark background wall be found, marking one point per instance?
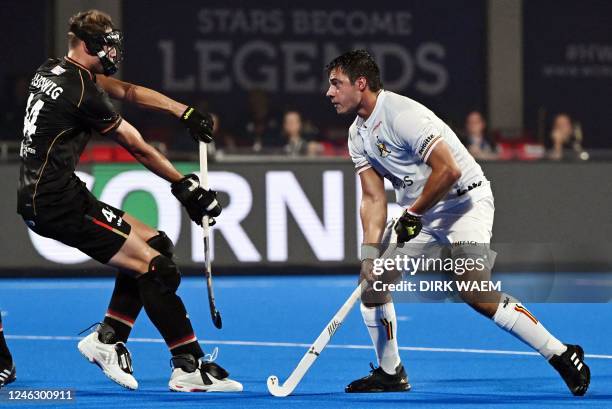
(568, 64)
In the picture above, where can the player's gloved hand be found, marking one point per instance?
(200, 125)
(197, 200)
(407, 227)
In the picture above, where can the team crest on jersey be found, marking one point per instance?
(382, 148)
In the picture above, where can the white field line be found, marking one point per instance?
(300, 345)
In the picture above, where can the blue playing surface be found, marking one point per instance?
(454, 357)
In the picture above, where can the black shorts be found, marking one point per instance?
(92, 226)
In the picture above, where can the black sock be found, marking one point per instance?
(6, 360)
(167, 312)
(124, 306)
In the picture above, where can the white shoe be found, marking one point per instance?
(114, 358)
(191, 375)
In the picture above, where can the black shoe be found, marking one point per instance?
(7, 375)
(572, 369)
(380, 381)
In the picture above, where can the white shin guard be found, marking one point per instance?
(382, 326)
(513, 317)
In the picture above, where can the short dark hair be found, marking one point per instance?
(90, 21)
(355, 64)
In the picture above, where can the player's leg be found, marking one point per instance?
(157, 286)
(125, 303)
(378, 312)
(7, 367)
(506, 311)
(109, 238)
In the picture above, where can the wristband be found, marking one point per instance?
(369, 251)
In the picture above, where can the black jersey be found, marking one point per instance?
(64, 108)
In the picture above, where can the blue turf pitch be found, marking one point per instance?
(267, 321)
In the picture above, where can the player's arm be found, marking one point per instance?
(373, 212)
(141, 96)
(373, 209)
(197, 200)
(129, 137)
(199, 124)
(444, 173)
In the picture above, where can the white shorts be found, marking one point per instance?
(468, 223)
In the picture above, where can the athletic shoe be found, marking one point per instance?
(380, 381)
(8, 375)
(572, 369)
(193, 375)
(112, 357)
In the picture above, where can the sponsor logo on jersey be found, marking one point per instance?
(383, 151)
(425, 143)
(461, 192)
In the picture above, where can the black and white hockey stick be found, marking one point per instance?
(274, 386)
(315, 349)
(214, 313)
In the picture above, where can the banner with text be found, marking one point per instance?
(432, 51)
(304, 217)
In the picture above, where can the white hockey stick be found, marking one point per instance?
(214, 313)
(274, 386)
(314, 351)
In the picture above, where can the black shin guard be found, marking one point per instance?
(6, 360)
(165, 309)
(125, 303)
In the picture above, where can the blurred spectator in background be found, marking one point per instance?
(261, 128)
(297, 143)
(224, 141)
(14, 101)
(476, 140)
(566, 138)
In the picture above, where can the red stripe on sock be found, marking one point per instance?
(185, 340)
(115, 314)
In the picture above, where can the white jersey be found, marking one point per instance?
(396, 141)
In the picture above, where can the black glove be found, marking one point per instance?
(407, 227)
(200, 125)
(197, 200)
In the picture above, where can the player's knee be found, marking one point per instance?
(163, 244)
(165, 272)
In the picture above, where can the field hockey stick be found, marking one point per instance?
(214, 313)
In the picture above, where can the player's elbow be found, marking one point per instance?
(130, 91)
(450, 174)
(454, 174)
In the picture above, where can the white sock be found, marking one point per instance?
(517, 320)
(382, 326)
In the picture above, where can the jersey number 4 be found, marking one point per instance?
(29, 121)
(29, 125)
